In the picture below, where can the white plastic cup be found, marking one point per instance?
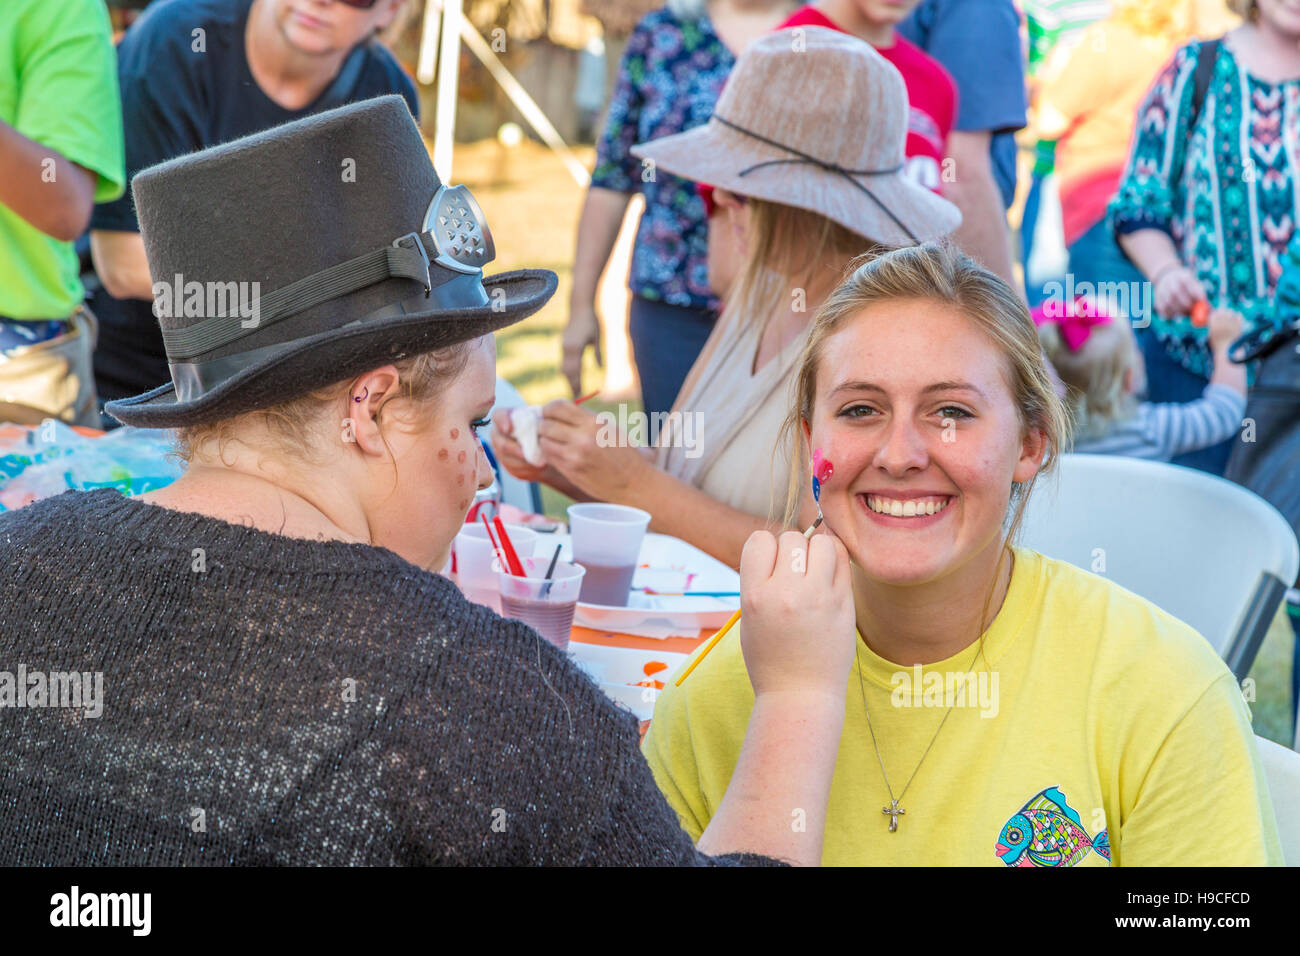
(607, 542)
(475, 560)
(546, 606)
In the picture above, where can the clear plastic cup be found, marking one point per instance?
(607, 542)
(476, 573)
(545, 606)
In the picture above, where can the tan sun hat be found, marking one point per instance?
(816, 119)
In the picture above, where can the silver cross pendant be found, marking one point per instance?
(894, 810)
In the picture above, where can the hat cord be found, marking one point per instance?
(830, 167)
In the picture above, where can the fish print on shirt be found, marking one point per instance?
(1047, 831)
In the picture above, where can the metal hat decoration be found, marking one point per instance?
(460, 230)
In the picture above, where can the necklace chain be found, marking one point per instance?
(894, 810)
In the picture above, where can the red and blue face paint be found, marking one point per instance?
(822, 471)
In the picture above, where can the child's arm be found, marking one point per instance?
(1225, 328)
(1179, 427)
(1176, 428)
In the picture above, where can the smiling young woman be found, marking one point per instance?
(1005, 708)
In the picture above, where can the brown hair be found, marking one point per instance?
(1246, 9)
(298, 424)
(939, 273)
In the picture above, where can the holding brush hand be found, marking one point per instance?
(798, 641)
(797, 607)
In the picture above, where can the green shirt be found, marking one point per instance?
(58, 86)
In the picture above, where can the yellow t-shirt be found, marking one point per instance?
(1095, 729)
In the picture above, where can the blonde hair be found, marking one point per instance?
(939, 273)
(787, 246)
(299, 425)
(1094, 375)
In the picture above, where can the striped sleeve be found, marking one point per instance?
(1178, 427)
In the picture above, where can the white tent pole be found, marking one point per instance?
(523, 102)
(448, 74)
(518, 95)
(429, 43)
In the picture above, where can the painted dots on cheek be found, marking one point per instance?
(461, 458)
(443, 454)
(464, 504)
(460, 479)
(455, 433)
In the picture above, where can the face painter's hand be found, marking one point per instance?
(595, 457)
(508, 451)
(797, 623)
(511, 456)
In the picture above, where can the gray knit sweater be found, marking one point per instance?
(269, 700)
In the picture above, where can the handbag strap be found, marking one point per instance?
(1262, 341)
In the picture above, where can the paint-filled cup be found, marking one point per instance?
(544, 605)
(607, 542)
(476, 570)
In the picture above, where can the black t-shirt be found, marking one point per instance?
(186, 85)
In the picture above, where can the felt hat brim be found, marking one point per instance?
(338, 354)
(715, 154)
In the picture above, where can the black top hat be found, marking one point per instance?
(309, 253)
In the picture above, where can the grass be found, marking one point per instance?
(1273, 710)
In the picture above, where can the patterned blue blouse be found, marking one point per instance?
(1225, 190)
(668, 82)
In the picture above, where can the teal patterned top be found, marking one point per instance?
(1224, 189)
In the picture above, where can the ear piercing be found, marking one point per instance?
(357, 398)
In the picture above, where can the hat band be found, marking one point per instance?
(406, 258)
(803, 157)
(193, 380)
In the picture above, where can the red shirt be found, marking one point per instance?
(931, 96)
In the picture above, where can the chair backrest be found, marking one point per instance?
(1282, 770)
(1191, 543)
(521, 494)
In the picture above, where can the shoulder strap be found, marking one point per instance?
(1201, 78)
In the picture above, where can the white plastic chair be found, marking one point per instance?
(1206, 550)
(1282, 770)
(521, 494)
